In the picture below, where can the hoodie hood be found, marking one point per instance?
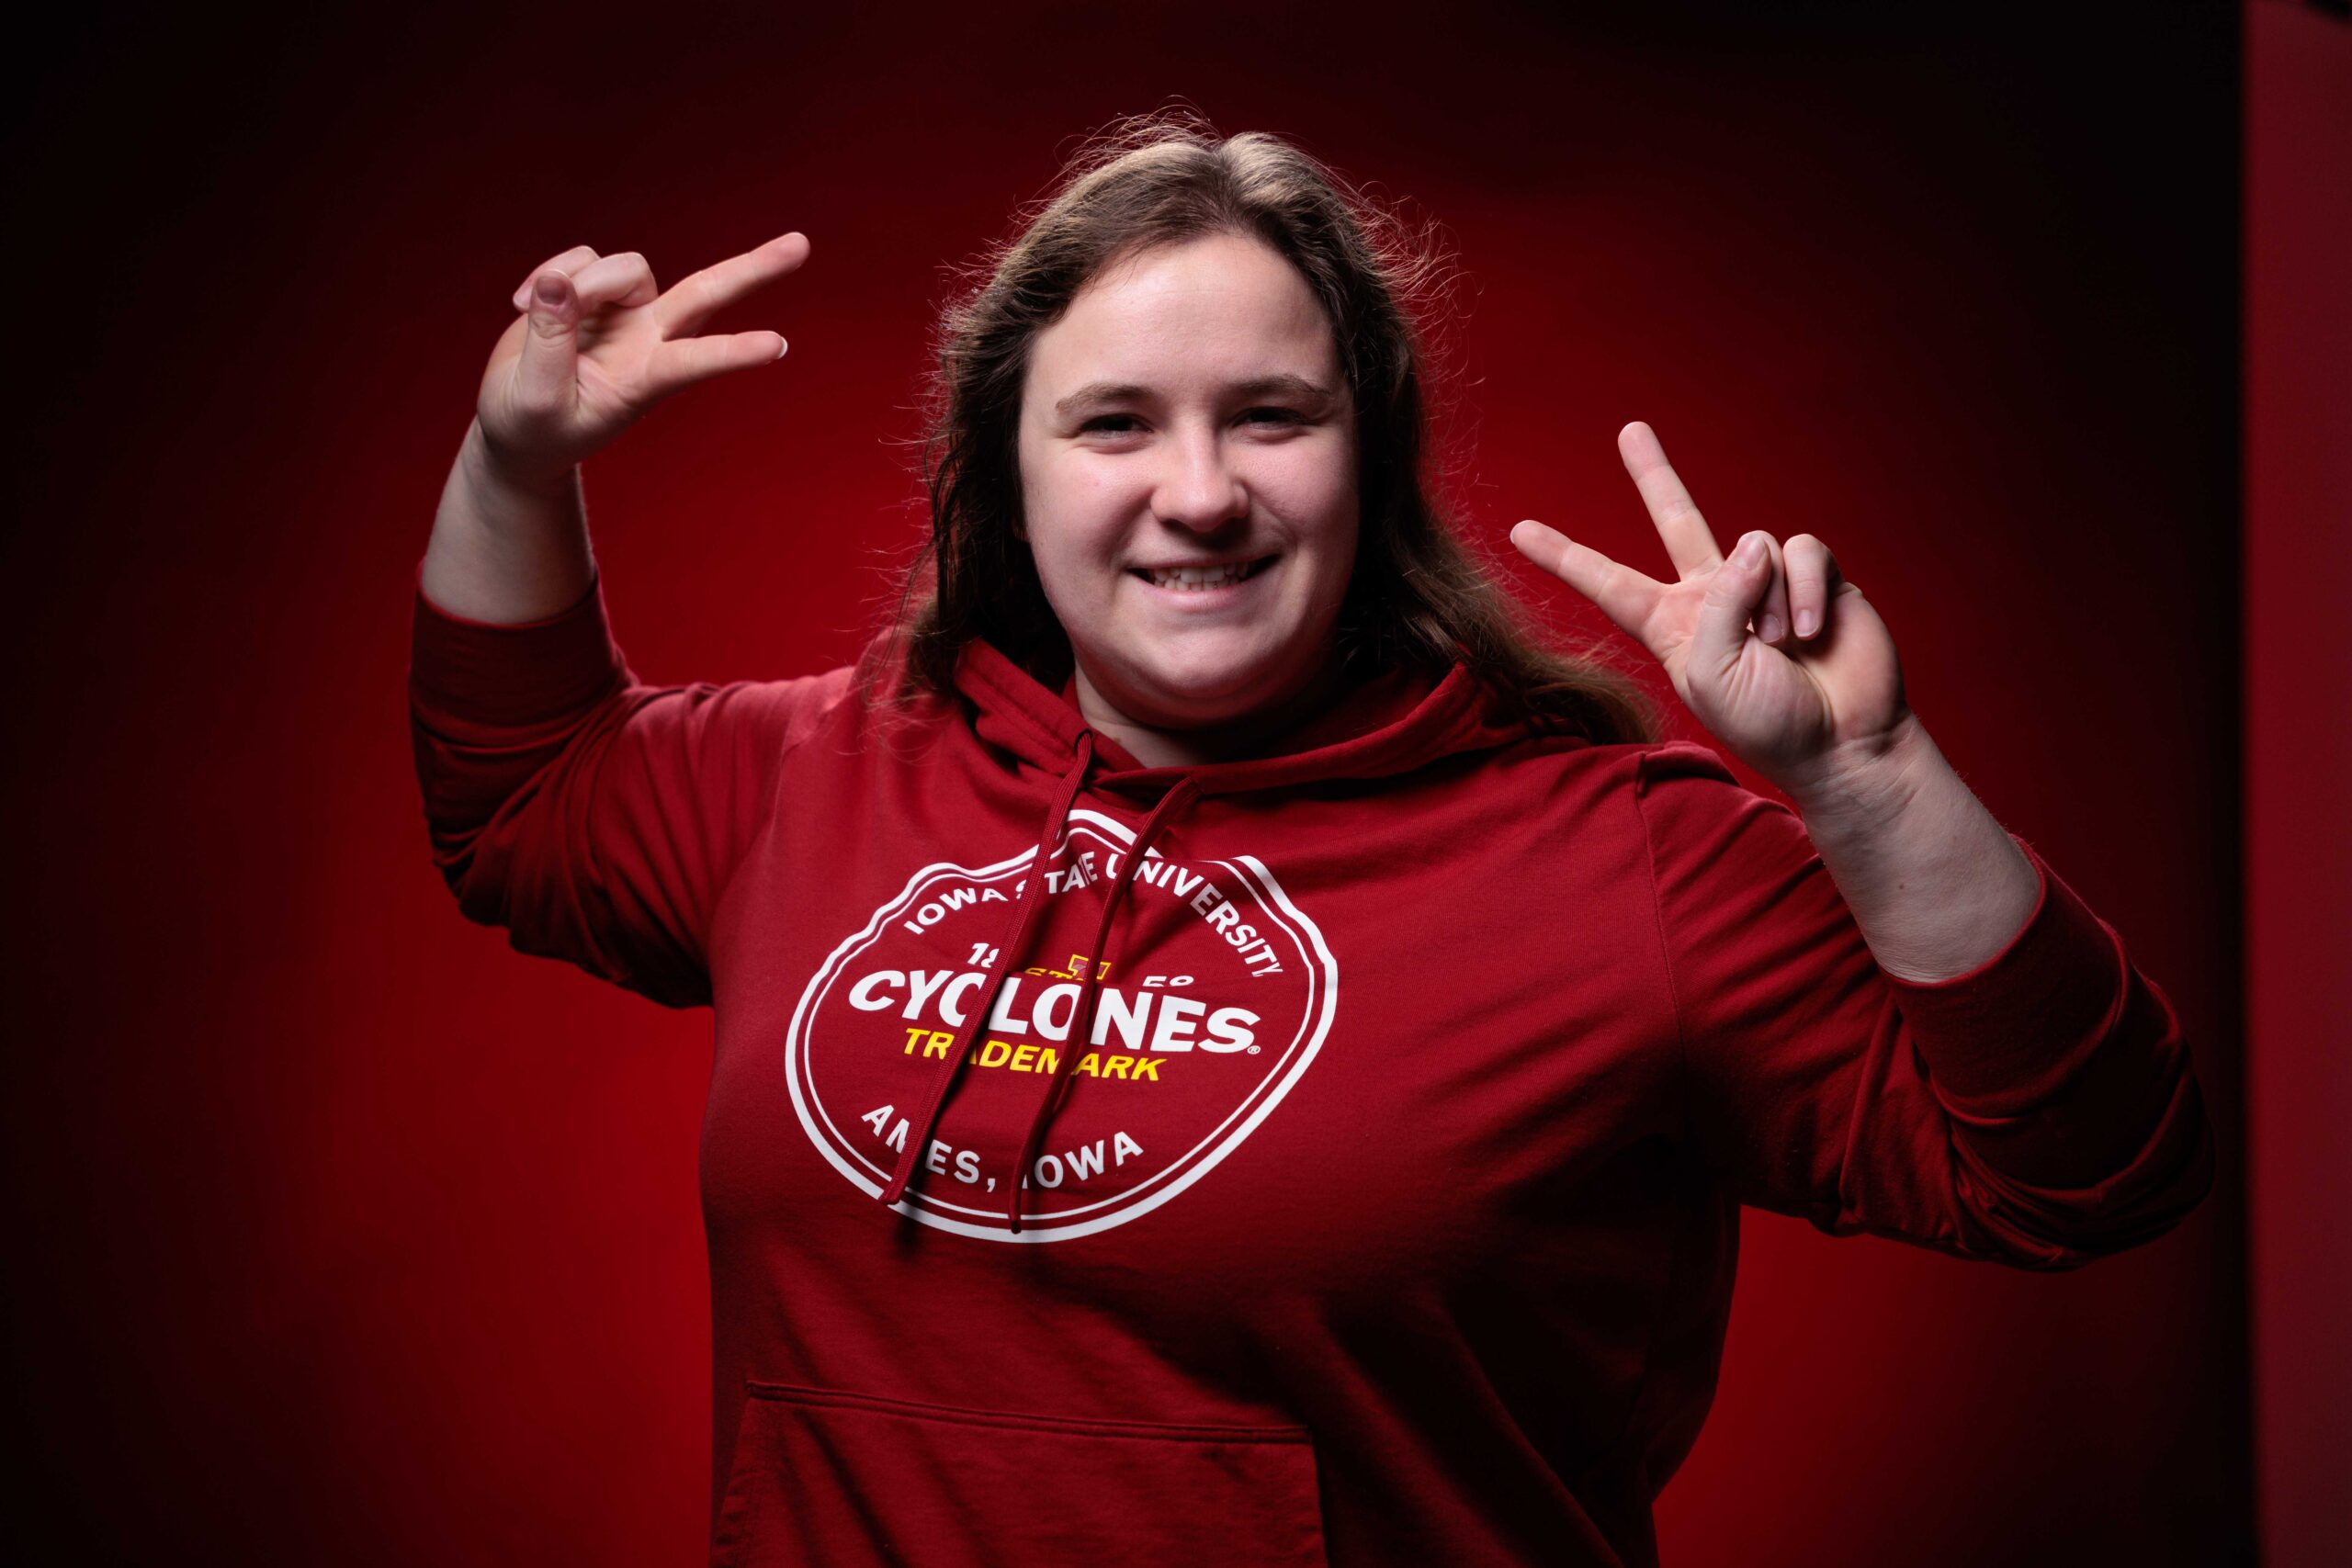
(1390, 724)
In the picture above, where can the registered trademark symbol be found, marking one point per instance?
(1253, 1050)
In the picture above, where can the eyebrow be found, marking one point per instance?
(1283, 385)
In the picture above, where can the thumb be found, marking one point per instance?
(544, 380)
(1732, 595)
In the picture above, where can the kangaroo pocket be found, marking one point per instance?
(847, 1481)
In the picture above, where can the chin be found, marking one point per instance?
(1199, 696)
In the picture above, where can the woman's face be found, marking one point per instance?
(1187, 450)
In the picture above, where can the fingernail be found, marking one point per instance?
(1769, 629)
(1750, 551)
(1807, 622)
(550, 288)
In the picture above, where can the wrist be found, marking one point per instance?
(504, 551)
(500, 479)
(1866, 784)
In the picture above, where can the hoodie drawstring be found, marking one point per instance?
(1024, 915)
(1097, 960)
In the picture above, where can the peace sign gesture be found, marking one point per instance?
(599, 344)
(1813, 688)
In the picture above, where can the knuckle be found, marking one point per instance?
(626, 269)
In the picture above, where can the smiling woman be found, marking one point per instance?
(1202, 353)
(1194, 539)
(1227, 1051)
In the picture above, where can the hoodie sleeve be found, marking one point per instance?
(598, 819)
(2039, 1111)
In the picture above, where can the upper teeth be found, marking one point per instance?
(1201, 576)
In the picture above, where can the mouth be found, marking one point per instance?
(1202, 579)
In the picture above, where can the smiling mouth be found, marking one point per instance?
(1200, 578)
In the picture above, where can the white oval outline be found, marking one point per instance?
(1182, 1162)
(1272, 898)
(1270, 1088)
(938, 1203)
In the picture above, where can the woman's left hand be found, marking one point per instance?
(1810, 696)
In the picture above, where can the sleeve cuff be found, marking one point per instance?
(484, 673)
(2014, 1028)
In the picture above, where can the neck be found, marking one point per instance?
(1258, 733)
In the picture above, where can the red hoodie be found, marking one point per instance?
(1385, 1108)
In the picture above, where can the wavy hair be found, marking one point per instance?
(1416, 595)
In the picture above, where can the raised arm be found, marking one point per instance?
(1894, 1017)
(597, 818)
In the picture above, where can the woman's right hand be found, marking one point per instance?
(599, 344)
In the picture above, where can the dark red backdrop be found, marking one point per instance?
(338, 1232)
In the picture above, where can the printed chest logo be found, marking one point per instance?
(1216, 997)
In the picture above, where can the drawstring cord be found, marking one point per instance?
(1033, 900)
(1014, 943)
(1082, 1018)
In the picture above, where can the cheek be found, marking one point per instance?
(1322, 499)
(1073, 513)
(1316, 475)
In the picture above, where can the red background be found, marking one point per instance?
(341, 1233)
(2297, 683)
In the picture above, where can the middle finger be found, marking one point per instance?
(1690, 543)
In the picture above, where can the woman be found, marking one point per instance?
(1227, 1052)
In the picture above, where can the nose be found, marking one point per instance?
(1198, 489)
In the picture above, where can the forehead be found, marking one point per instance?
(1216, 309)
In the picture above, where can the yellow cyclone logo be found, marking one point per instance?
(1215, 995)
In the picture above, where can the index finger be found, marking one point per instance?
(1690, 543)
(1625, 595)
(692, 300)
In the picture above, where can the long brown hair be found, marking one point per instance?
(1416, 597)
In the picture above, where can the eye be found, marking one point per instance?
(1111, 422)
(1281, 416)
